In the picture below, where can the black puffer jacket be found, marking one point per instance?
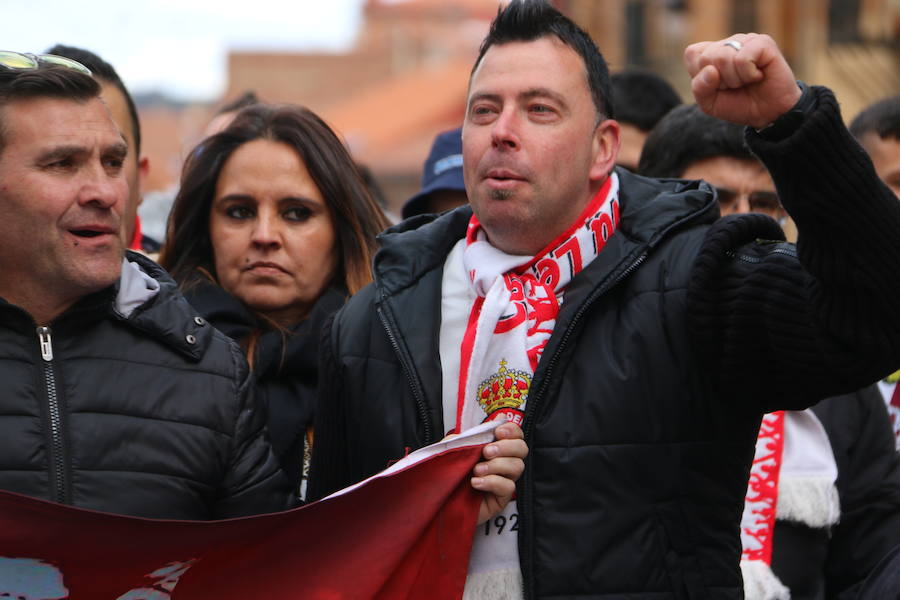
(286, 369)
(831, 562)
(141, 411)
(645, 406)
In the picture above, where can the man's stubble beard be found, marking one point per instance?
(501, 194)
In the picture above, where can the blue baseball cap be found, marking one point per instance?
(443, 171)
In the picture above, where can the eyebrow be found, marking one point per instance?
(544, 93)
(528, 94)
(238, 197)
(59, 152)
(234, 198)
(119, 149)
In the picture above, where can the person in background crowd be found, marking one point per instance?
(225, 115)
(272, 230)
(375, 190)
(877, 129)
(117, 396)
(641, 390)
(442, 178)
(838, 487)
(640, 98)
(125, 114)
(689, 144)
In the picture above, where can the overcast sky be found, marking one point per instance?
(178, 47)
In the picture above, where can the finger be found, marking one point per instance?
(761, 49)
(746, 71)
(770, 63)
(725, 58)
(495, 485)
(726, 66)
(705, 87)
(497, 492)
(506, 467)
(508, 431)
(513, 447)
(751, 59)
(692, 55)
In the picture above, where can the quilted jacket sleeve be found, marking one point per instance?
(254, 483)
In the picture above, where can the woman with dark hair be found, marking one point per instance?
(272, 230)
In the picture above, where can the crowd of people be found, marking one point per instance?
(685, 312)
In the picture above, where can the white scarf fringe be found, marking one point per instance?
(807, 492)
(760, 583)
(812, 501)
(504, 584)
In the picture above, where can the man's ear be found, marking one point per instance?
(142, 171)
(605, 148)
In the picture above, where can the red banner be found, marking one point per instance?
(405, 533)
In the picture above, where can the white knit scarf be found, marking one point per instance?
(516, 309)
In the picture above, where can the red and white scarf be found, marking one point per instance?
(890, 388)
(758, 520)
(792, 478)
(515, 312)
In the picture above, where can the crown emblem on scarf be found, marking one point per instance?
(504, 389)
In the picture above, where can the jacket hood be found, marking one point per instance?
(649, 209)
(148, 299)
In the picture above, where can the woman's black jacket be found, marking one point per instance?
(285, 364)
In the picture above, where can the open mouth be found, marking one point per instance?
(87, 233)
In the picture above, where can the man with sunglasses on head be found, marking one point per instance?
(636, 336)
(837, 482)
(116, 395)
(124, 113)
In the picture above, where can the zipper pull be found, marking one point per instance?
(46, 344)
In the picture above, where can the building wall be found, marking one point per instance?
(402, 42)
(852, 46)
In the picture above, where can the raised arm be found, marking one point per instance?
(780, 325)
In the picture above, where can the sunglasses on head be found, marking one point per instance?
(19, 61)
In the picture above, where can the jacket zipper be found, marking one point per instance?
(410, 376)
(524, 489)
(57, 460)
(756, 259)
(568, 333)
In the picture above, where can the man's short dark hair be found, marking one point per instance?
(688, 135)
(529, 20)
(105, 72)
(248, 98)
(882, 118)
(47, 81)
(641, 98)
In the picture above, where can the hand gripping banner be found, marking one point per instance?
(404, 533)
